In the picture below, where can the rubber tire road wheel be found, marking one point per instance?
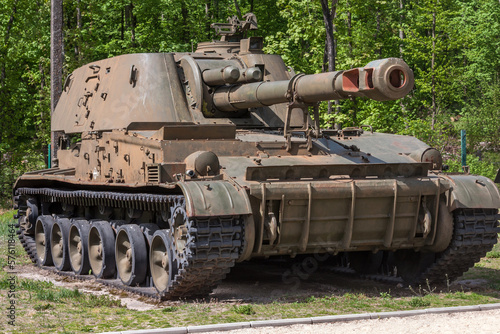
(59, 244)
(43, 228)
(161, 260)
(131, 254)
(101, 243)
(78, 246)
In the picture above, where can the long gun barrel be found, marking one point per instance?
(381, 80)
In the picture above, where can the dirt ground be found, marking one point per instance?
(253, 282)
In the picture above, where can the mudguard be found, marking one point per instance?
(214, 198)
(472, 192)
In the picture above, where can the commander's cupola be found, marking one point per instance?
(233, 37)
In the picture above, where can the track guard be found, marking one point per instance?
(472, 192)
(214, 198)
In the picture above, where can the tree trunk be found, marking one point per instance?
(349, 29)
(123, 24)
(56, 62)
(379, 51)
(237, 8)
(401, 31)
(401, 49)
(56, 54)
(79, 27)
(433, 61)
(330, 53)
(10, 23)
(133, 23)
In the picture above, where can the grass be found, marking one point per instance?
(43, 307)
(244, 309)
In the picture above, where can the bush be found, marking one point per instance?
(419, 302)
(476, 166)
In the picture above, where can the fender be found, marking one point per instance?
(214, 198)
(473, 192)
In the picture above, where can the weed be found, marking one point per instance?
(48, 295)
(493, 255)
(311, 299)
(58, 295)
(385, 295)
(423, 291)
(62, 295)
(34, 285)
(244, 309)
(93, 301)
(169, 309)
(419, 302)
(43, 307)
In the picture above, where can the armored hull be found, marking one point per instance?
(171, 168)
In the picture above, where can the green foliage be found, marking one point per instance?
(419, 302)
(169, 309)
(451, 45)
(385, 295)
(476, 166)
(244, 309)
(43, 307)
(62, 295)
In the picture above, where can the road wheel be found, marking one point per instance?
(59, 244)
(43, 228)
(102, 249)
(161, 261)
(131, 254)
(78, 247)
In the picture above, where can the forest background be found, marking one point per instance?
(453, 47)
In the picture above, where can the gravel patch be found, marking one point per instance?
(445, 323)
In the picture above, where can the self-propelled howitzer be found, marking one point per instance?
(172, 167)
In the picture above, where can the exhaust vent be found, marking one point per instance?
(153, 173)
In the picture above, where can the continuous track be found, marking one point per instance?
(214, 246)
(475, 233)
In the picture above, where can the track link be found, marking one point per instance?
(216, 244)
(214, 252)
(475, 233)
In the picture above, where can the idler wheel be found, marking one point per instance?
(78, 247)
(161, 261)
(43, 228)
(131, 254)
(101, 242)
(366, 263)
(28, 221)
(59, 244)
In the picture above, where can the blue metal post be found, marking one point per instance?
(50, 156)
(463, 138)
